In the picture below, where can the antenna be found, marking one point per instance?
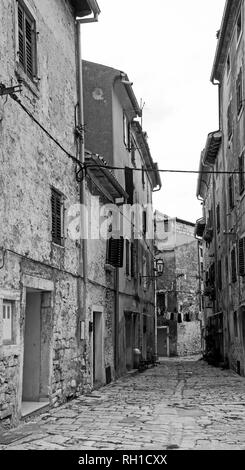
(142, 104)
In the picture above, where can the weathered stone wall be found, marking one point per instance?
(188, 338)
(31, 163)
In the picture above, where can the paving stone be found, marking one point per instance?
(180, 404)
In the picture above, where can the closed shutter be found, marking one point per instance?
(115, 252)
(129, 185)
(219, 274)
(56, 203)
(218, 217)
(231, 192)
(241, 257)
(27, 41)
(127, 257)
(233, 265)
(133, 259)
(241, 173)
(29, 47)
(21, 35)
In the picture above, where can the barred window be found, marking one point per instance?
(27, 40)
(8, 312)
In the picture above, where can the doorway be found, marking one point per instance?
(97, 348)
(163, 341)
(37, 338)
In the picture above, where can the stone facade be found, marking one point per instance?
(223, 223)
(178, 293)
(40, 281)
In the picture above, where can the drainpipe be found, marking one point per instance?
(83, 256)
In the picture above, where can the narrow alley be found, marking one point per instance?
(179, 404)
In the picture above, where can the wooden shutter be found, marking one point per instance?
(21, 35)
(133, 270)
(127, 257)
(144, 222)
(233, 265)
(29, 47)
(56, 217)
(241, 257)
(27, 42)
(218, 217)
(115, 252)
(231, 192)
(219, 274)
(241, 173)
(229, 121)
(129, 185)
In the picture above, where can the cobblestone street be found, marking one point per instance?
(180, 404)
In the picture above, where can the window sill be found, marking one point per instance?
(110, 268)
(57, 245)
(23, 78)
(9, 350)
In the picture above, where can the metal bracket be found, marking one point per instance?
(9, 90)
(81, 172)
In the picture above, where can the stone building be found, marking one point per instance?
(223, 224)
(178, 288)
(113, 131)
(44, 346)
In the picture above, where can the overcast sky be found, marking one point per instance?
(168, 53)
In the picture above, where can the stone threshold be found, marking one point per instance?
(31, 407)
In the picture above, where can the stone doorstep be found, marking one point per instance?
(32, 410)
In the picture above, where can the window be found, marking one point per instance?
(129, 185)
(228, 64)
(144, 222)
(231, 191)
(241, 173)
(220, 274)
(218, 217)
(143, 176)
(133, 260)
(166, 225)
(27, 40)
(241, 256)
(57, 217)
(239, 26)
(233, 265)
(115, 248)
(235, 324)
(229, 121)
(7, 322)
(126, 132)
(239, 92)
(133, 148)
(127, 257)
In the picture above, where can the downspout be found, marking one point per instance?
(83, 255)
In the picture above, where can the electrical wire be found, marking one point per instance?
(72, 157)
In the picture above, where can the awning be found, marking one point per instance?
(103, 178)
(212, 147)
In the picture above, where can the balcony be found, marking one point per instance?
(208, 234)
